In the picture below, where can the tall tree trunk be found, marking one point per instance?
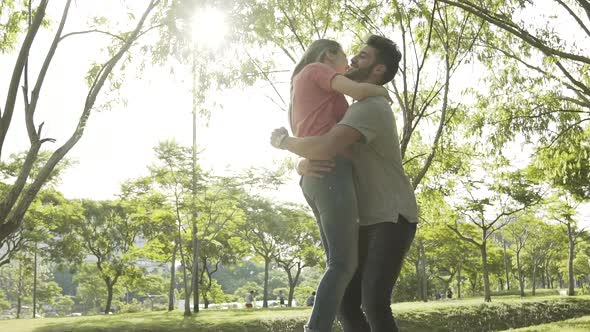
(171, 299)
(418, 278)
(506, 266)
(486, 276)
(424, 278)
(265, 295)
(107, 308)
(459, 281)
(206, 288)
(520, 274)
(570, 260)
(292, 282)
(205, 301)
(195, 271)
(534, 279)
(473, 283)
(18, 305)
(187, 288)
(195, 282)
(20, 289)
(560, 278)
(548, 273)
(35, 283)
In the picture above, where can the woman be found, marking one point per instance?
(317, 104)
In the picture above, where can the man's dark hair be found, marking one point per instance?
(387, 54)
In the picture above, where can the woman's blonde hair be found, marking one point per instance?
(316, 52)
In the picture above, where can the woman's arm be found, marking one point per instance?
(356, 90)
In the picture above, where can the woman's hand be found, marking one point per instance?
(386, 95)
(278, 136)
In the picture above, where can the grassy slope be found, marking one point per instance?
(581, 324)
(232, 320)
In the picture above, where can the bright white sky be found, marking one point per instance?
(118, 143)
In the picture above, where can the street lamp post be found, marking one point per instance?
(208, 26)
(195, 243)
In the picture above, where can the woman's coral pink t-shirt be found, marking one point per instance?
(316, 107)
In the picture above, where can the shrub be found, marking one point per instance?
(132, 307)
(482, 317)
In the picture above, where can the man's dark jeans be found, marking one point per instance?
(382, 248)
(333, 201)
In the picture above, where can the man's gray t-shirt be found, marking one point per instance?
(383, 189)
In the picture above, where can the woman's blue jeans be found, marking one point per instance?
(333, 201)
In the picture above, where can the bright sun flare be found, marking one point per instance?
(209, 27)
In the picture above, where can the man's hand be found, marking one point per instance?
(278, 136)
(315, 168)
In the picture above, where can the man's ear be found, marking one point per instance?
(379, 69)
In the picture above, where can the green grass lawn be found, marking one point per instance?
(226, 320)
(581, 324)
(149, 321)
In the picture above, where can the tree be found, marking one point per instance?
(299, 244)
(46, 205)
(92, 290)
(22, 192)
(65, 304)
(563, 211)
(48, 291)
(171, 176)
(565, 164)
(537, 72)
(4, 304)
(153, 212)
(543, 241)
(258, 229)
(435, 42)
(507, 262)
(220, 215)
(518, 233)
(17, 281)
(107, 233)
(489, 212)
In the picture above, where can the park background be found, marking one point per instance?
(492, 109)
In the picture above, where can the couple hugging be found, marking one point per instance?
(353, 180)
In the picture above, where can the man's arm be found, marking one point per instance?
(322, 147)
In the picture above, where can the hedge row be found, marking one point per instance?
(483, 317)
(451, 316)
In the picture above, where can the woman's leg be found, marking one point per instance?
(334, 201)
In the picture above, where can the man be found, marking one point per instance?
(387, 206)
(310, 300)
(281, 299)
(249, 299)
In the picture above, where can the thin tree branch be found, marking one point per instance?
(91, 31)
(18, 70)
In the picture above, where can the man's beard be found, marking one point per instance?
(359, 74)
